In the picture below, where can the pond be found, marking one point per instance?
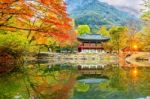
(71, 81)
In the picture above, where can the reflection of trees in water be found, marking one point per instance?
(11, 85)
(123, 83)
(130, 82)
(48, 82)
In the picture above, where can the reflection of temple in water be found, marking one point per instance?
(90, 69)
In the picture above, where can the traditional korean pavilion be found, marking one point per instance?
(91, 43)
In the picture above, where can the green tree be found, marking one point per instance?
(118, 37)
(103, 31)
(83, 29)
(16, 40)
(146, 16)
(145, 33)
(144, 37)
(146, 12)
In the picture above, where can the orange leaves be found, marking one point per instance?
(46, 2)
(58, 18)
(6, 1)
(40, 38)
(14, 9)
(50, 15)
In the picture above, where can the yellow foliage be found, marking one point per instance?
(40, 38)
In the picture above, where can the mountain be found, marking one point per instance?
(96, 13)
(127, 9)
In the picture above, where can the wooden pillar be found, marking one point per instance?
(82, 46)
(96, 47)
(89, 44)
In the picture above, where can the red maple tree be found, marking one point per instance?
(46, 17)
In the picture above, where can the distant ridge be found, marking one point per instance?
(96, 13)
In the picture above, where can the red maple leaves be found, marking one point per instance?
(48, 17)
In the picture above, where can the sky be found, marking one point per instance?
(134, 4)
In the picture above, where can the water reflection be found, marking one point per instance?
(71, 81)
(91, 80)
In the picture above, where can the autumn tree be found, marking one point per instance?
(37, 20)
(144, 37)
(145, 32)
(131, 34)
(118, 37)
(40, 18)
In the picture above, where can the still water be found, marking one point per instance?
(70, 81)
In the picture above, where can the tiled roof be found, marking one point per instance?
(92, 37)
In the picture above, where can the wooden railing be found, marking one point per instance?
(88, 46)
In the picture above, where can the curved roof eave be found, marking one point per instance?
(93, 37)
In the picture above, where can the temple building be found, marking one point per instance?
(91, 43)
